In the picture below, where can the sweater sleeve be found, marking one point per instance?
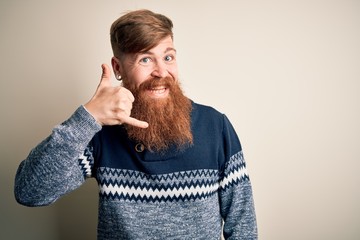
(54, 167)
(236, 199)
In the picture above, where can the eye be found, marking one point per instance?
(169, 58)
(145, 60)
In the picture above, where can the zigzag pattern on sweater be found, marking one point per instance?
(130, 185)
(235, 171)
(113, 173)
(86, 161)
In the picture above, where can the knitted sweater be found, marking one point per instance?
(200, 192)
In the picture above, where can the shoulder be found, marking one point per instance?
(205, 111)
(206, 119)
(209, 117)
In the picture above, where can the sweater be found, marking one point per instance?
(200, 192)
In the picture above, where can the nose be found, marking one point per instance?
(159, 70)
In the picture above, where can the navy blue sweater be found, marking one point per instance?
(180, 194)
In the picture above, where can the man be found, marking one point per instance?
(167, 168)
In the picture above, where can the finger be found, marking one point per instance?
(106, 75)
(136, 123)
(128, 93)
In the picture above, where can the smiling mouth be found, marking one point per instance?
(158, 91)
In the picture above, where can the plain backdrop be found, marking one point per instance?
(286, 73)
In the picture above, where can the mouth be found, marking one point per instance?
(158, 92)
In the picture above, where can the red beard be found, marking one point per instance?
(168, 118)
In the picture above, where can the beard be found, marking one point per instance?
(169, 118)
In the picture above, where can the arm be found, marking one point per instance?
(52, 168)
(236, 199)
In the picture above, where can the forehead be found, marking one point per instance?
(164, 46)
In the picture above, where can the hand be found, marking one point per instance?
(112, 105)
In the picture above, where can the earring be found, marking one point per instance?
(118, 77)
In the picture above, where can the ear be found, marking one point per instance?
(117, 66)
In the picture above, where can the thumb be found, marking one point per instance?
(106, 75)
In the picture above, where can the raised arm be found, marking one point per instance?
(52, 168)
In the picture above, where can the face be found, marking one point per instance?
(158, 62)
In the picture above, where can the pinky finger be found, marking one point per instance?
(135, 122)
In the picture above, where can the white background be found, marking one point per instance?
(286, 73)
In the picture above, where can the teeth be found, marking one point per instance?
(158, 90)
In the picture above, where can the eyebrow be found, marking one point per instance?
(151, 53)
(170, 49)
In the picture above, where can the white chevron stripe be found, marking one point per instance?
(86, 166)
(233, 176)
(139, 192)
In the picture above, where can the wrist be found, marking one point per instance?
(90, 110)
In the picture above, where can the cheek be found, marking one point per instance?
(139, 76)
(173, 71)
(140, 79)
(175, 76)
